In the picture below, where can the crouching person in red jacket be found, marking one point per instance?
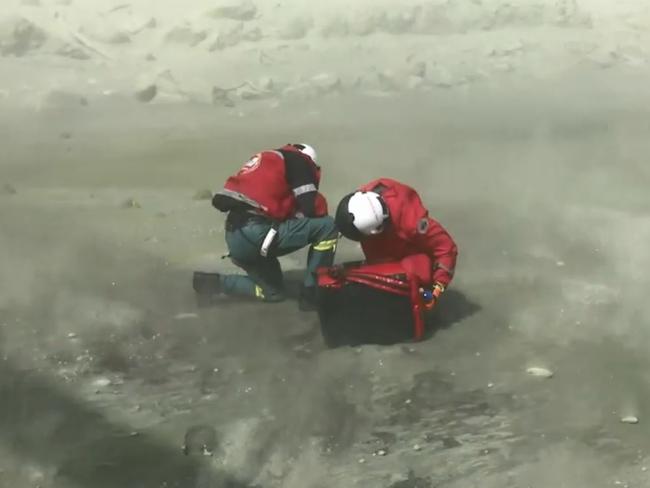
(391, 223)
(274, 208)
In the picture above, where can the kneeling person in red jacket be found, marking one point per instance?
(391, 223)
(274, 208)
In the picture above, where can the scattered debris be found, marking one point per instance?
(180, 369)
(414, 82)
(233, 35)
(386, 81)
(185, 34)
(412, 481)
(137, 28)
(251, 92)
(83, 42)
(441, 76)
(73, 52)
(105, 33)
(9, 189)
(186, 315)
(236, 10)
(266, 83)
(131, 203)
(118, 7)
(630, 419)
(221, 96)
(450, 442)
(200, 439)
(294, 28)
(418, 69)
(541, 372)
(20, 36)
(325, 82)
(102, 382)
(146, 94)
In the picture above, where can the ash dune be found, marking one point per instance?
(229, 52)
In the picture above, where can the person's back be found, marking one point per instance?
(274, 208)
(278, 183)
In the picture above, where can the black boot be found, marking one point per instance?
(207, 287)
(307, 302)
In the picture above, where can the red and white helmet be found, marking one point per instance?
(360, 214)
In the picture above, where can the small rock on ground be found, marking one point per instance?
(9, 189)
(203, 194)
(131, 203)
(541, 372)
(146, 94)
(630, 419)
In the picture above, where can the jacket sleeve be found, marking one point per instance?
(320, 205)
(432, 238)
(303, 184)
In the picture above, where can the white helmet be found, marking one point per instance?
(306, 149)
(361, 214)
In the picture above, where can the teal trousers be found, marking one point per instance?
(264, 278)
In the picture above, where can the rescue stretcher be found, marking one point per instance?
(379, 303)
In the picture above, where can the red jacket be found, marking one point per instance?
(411, 231)
(262, 183)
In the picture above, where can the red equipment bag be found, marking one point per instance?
(380, 303)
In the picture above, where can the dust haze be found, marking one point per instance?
(539, 171)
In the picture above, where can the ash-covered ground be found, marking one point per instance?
(107, 361)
